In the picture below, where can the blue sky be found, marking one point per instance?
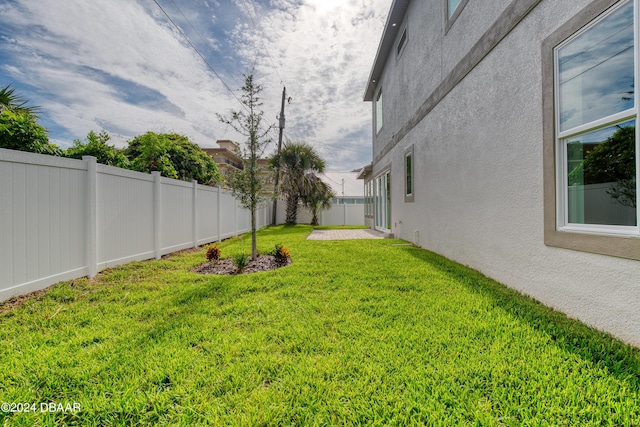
(123, 67)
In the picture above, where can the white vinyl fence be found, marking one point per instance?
(337, 214)
(62, 219)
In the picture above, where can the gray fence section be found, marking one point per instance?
(62, 219)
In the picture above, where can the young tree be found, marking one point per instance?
(248, 184)
(298, 163)
(97, 145)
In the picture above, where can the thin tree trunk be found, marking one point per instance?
(254, 246)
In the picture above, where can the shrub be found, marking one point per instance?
(213, 253)
(281, 253)
(240, 261)
(21, 131)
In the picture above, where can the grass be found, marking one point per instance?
(352, 333)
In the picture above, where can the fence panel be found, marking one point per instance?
(243, 221)
(228, 215)
(343, 214)
(176, 230)
(264, 215)
(125, 213)
(592, 204)
(207, 214)
(42, 221)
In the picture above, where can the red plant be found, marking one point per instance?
(213, 253)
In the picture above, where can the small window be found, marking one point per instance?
(379, 111)
(452, 5)
(401, 43)
(453, 9)
(408, 175)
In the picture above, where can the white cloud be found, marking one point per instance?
(121, 39)
(324, 57)
(80, 55)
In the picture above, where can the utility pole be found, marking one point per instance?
(344, 206)
(275, 186)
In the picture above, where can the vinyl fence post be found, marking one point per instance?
(92, 215)
(157, 215)
(344, 213)
(219, 213)
(195, 213)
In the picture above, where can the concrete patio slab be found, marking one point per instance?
(346, 234)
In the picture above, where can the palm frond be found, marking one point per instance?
(9, 100)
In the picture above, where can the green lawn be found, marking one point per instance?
(352, 333)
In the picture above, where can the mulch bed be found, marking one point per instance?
(225, 266)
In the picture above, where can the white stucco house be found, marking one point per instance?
(504, 137)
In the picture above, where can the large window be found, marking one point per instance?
(595, 142)
(596, 126)
(379, 111)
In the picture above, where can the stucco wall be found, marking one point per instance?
(478, 175)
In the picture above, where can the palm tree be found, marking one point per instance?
(298, 163)
(10, 101)
(318, 198)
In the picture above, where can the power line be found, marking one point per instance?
(332, 180)
(585, 51)
(205, 60)
(599, 63)
(200, 36)
(198, 52)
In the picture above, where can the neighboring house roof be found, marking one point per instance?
(391, 28)
(352, 187)
(365, 171)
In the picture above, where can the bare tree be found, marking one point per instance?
(248, 184)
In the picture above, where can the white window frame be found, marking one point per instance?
(562, 197)
(409, 175)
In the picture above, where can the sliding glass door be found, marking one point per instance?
(382, 189)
